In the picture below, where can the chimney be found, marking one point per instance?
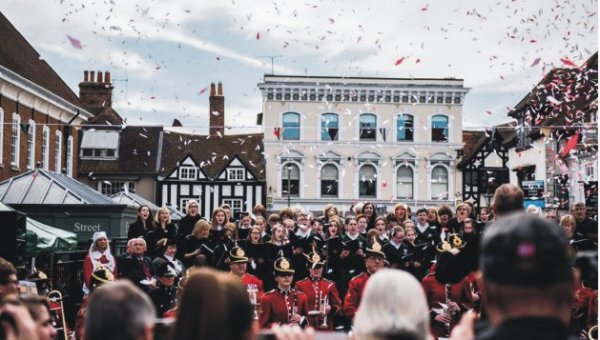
(216, 111)
(95, 91)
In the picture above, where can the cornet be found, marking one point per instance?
(252, 291)
(323, 304)
(56, 296)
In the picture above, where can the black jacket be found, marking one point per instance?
(528, 329)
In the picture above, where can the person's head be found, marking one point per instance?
(525, 269)
(228, 230)
(462, 211)
(192, 208)
(315, 264)
(484, 214)
(143, 213)
(227, 209)
(351, 225)
(254, 236)
(9, 284)
(37, 306)
(398, 234)
(273, 219)
(245, 219)
(168, 246)
(410, 235)
(99, 242)
(277, 232)
(214, 306)
(333, 229)
(551, 215)
(287, 213)
(302, 218)
(422, 216)
(508, 198)
(317, 225)
(163, 215)
(400, 211)
(568, 224)
(138, 246)
(219, 217)
(238, 262)
(368, 209)
(579, 211)
(372, 234)
(284, 273)
(289, 225)
(468, 227)
(201, 229)
(259, 210)
(444, 214)
(432, 215)
(119, 311)
(408, 224)
(330, 210)
(381, 224)
(393, 306)
(361, 219)
(100, 276)
(259, 221)
(166, 274)
(375, 258)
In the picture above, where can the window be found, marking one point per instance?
(110, 188)
(46, 147)
(405, 182)
(291, 126)
(236, 207)
(31, 145)
(101, 144)
(439, 128)
(329, 126)
(523, 139)
(329, 181)
(367, 181)
(236, 174)
(187, 172)
(404, 128)
(368, 125)
(58, 152)
(439, 182)
(15, 141)
(98, 153)
(290, 180)
(69, 155)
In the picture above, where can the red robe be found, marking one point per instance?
(354, 294)
(435, 292)
(276, 307)
(322, 287)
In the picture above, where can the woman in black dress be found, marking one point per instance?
(142, 224)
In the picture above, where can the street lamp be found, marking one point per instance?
(289, 184)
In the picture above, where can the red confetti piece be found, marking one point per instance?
(571, 143)
(384, 183)
(75, 42)
(257, 35)
(153, 97)
(203, 90)
(536, 61)
(567, 62)
(532, 41)
(417, 61)
(425, 8)
(399, 61)
(488, 112)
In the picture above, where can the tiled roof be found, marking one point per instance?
(139, 148)
(46, 187)
(213, 154)
(19, 56)
(106, 117)
(471, 142)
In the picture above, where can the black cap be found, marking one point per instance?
(374, 250)
(525, 250)
(165, 269)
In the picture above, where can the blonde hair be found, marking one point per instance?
(568, 219)
(200, 226)
(161, 209)
(393, 304)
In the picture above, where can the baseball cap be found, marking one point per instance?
(526, 251)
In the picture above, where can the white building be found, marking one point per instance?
(345, 140)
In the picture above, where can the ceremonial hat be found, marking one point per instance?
(374, 249)
(237, 255)
(314, 259)
(283, 266)
(101, 275)
(165, 269)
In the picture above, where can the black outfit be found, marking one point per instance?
(353, 264)
(189, 244)
(429, 238)
(397, 257)
(587, 227)
(454, 225)
(135, 269)
(164, 298)
(185, 226)
(416, 255)
(137, 229)
(527, 329)
(157, 234)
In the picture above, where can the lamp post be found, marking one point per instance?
(289, 184)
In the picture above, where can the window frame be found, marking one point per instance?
(290, 128)
(324, 126)
(296, 191)
(447, 129)
(412, 183)
(236, 174)
(360, 181)
(45, 147)
(31, 145)
(190, 171)
(333, 183)
(15, 142)
(431, 177)
(412, 128)
(58, 151)
(361, 129)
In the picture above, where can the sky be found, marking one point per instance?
(163, 55)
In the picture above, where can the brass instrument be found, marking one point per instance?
(252, 295)
(56, 296)
(447, 289)
(323, 304)
(593, 333)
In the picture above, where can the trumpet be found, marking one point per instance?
(252, 291)
(57, 297)
(323, 304)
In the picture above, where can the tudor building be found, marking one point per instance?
(341, 140)
(214, 169)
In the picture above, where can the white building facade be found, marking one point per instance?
(347, 140)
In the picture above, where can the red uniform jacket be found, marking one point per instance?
(276, 307)
(322, 287)
(251, 281)
(355, 290)
(435, 292)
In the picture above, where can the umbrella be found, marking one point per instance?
(39, 237)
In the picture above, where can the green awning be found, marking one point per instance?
(41, 237)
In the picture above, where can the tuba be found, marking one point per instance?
(58, 312)
(593, 333)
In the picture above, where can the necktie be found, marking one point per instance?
(145, 267)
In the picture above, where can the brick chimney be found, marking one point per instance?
(216, 110)
(95, 91)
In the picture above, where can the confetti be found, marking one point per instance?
(567, 62)
(399, 61)
(75, 42)
(257, 35)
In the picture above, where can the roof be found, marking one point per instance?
(139, 154)
(135, 200)
(213, 154)
(472, 140)
(46, 187)
(21, 58)
(107, 116)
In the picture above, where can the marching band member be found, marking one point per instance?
(238, 265)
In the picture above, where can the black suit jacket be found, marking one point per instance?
(133, 270)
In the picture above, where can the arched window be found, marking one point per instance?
(290, 180)
(329, 126)
(329, 181)
(291, 126)
(368, 127)
(404, 128)
(439, 182)
(405, 182)
(367, 181)
(439, 128)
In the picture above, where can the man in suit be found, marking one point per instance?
(138, 268)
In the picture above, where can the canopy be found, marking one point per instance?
(40, 237)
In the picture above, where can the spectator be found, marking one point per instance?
(98, 255)
(143, 224)
(9, 284)
(585, 225)
(119, 311)
(37, 306)
(508, 199)
(393, 307)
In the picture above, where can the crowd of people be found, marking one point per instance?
(399, 275)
